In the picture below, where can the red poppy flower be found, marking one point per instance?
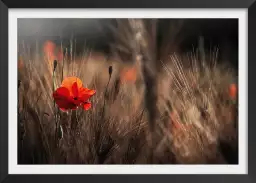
(72, 95)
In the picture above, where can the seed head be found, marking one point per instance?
(110, 70)
(54, 65)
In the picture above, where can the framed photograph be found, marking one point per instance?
(111, 87)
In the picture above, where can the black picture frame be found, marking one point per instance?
(5, 177)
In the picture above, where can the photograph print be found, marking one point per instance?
(127, 91)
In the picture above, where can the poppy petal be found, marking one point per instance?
(85, 94)
(75, 89)
(87, 106)
(65, 104)
(63, 99)
(61, 92)
(91, 92)
(87, 91)
(84, 97)
(69, 81)
(77, 102)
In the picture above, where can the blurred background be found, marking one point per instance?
(98, 35)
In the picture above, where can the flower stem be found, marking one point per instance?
(105, 93)
(54, 108)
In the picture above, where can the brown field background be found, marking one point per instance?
(173, 108)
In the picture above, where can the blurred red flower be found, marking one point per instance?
(72, 95)
(50, 49)
(129, 75)
(233, 91)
